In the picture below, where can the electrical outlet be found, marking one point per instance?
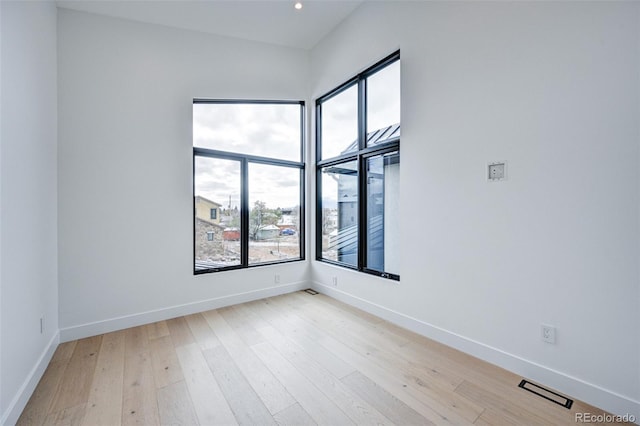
(276, 278)
(334, 281)
(548, 333)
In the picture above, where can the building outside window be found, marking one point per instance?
(358, 171)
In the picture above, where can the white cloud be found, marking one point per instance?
(266, 130)
(383, 98)
(276, 186)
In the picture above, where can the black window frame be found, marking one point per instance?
(360, 156)
(245, 160)
(213, 214)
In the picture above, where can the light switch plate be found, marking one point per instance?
(497, 171)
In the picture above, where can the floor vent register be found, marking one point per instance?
(546, 393)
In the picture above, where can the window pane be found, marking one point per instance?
(383, 201)
(340, 123)
(274, 215)
(266, 130)
(340, 213)
(383, 104)
(217, 215)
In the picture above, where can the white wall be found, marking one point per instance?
(28, 195)
(553, 88)
(125, 164)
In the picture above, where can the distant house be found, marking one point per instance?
(207, 210)
(230, 217)
(231, 234)
(267, 232)
(289, 219)
(208, 232)
(208, 240)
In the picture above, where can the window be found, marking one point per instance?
(358, 172)
(248, 175)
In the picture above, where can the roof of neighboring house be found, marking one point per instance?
(209, 223)
(200, 197)
(269, 228)
(377, 137)
(286, 220)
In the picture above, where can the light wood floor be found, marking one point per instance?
(296, 359)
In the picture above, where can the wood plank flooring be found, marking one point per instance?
(297, 359)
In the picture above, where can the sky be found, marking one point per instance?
(267, 130)
(273, 130)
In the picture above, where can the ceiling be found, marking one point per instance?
(269, 21)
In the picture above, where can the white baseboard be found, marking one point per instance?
(575, 387)
(10, 417)
(120, 323)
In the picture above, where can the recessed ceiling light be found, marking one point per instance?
(298, 5)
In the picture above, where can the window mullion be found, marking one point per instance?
(318, 158)
(318, 151)
(362, 114)
(193, 191)
(362, 213)
(319, 210)
(244, 213)
(301, 216)
(362, 144)
(351, 156)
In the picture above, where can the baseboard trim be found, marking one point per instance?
(11, 416)
(120, 323)
(573, 386)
